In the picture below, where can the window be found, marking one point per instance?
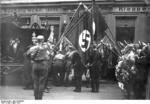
(25, 21)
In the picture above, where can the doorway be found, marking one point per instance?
(125, 28)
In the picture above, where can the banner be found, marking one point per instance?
(85, 27)
(78, 32)
(99, 24)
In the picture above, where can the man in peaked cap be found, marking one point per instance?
(40, 64)
(40, 39)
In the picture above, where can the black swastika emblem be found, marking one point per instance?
(84, 40)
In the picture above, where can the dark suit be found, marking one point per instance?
(95, 65)
(78, 70)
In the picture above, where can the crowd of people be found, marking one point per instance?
(40, 60)
(131, 69)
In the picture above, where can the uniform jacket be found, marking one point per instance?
(94, 59)
(39, 52)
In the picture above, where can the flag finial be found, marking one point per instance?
(80, 3)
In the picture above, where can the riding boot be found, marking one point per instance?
(92, 85)
(78, 84)
(78, 88)
(66, 84)
(40, 94)
(87, 83)
(97, 86)
(36, 97)
(35, 94)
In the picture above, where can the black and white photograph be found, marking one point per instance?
(74, 50)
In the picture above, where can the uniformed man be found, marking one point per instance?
(94, 66)
(78, 70)
(40, 64)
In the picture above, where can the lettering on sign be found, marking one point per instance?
(85, 40)
(30, 10)
(131, 9)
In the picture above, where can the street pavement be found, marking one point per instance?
(108, 91)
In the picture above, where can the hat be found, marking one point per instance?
(40, 37)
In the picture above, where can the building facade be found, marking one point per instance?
(120, 15)
(19, 19)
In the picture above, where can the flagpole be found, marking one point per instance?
(112, 37)
(74, 26)
(93, 11)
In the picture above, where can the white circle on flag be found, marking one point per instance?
(85, 40)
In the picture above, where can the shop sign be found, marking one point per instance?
(30, 10)
(131, 9)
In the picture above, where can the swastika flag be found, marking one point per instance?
(79, 31)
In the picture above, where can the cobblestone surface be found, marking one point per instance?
(107, 91)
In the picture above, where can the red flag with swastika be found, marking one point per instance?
(78, 32)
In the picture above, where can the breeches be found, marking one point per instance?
(95, 75)
(78, 82)
(95, 84)
(40, 73)
(78, 78)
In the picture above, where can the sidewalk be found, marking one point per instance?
(107, 92)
